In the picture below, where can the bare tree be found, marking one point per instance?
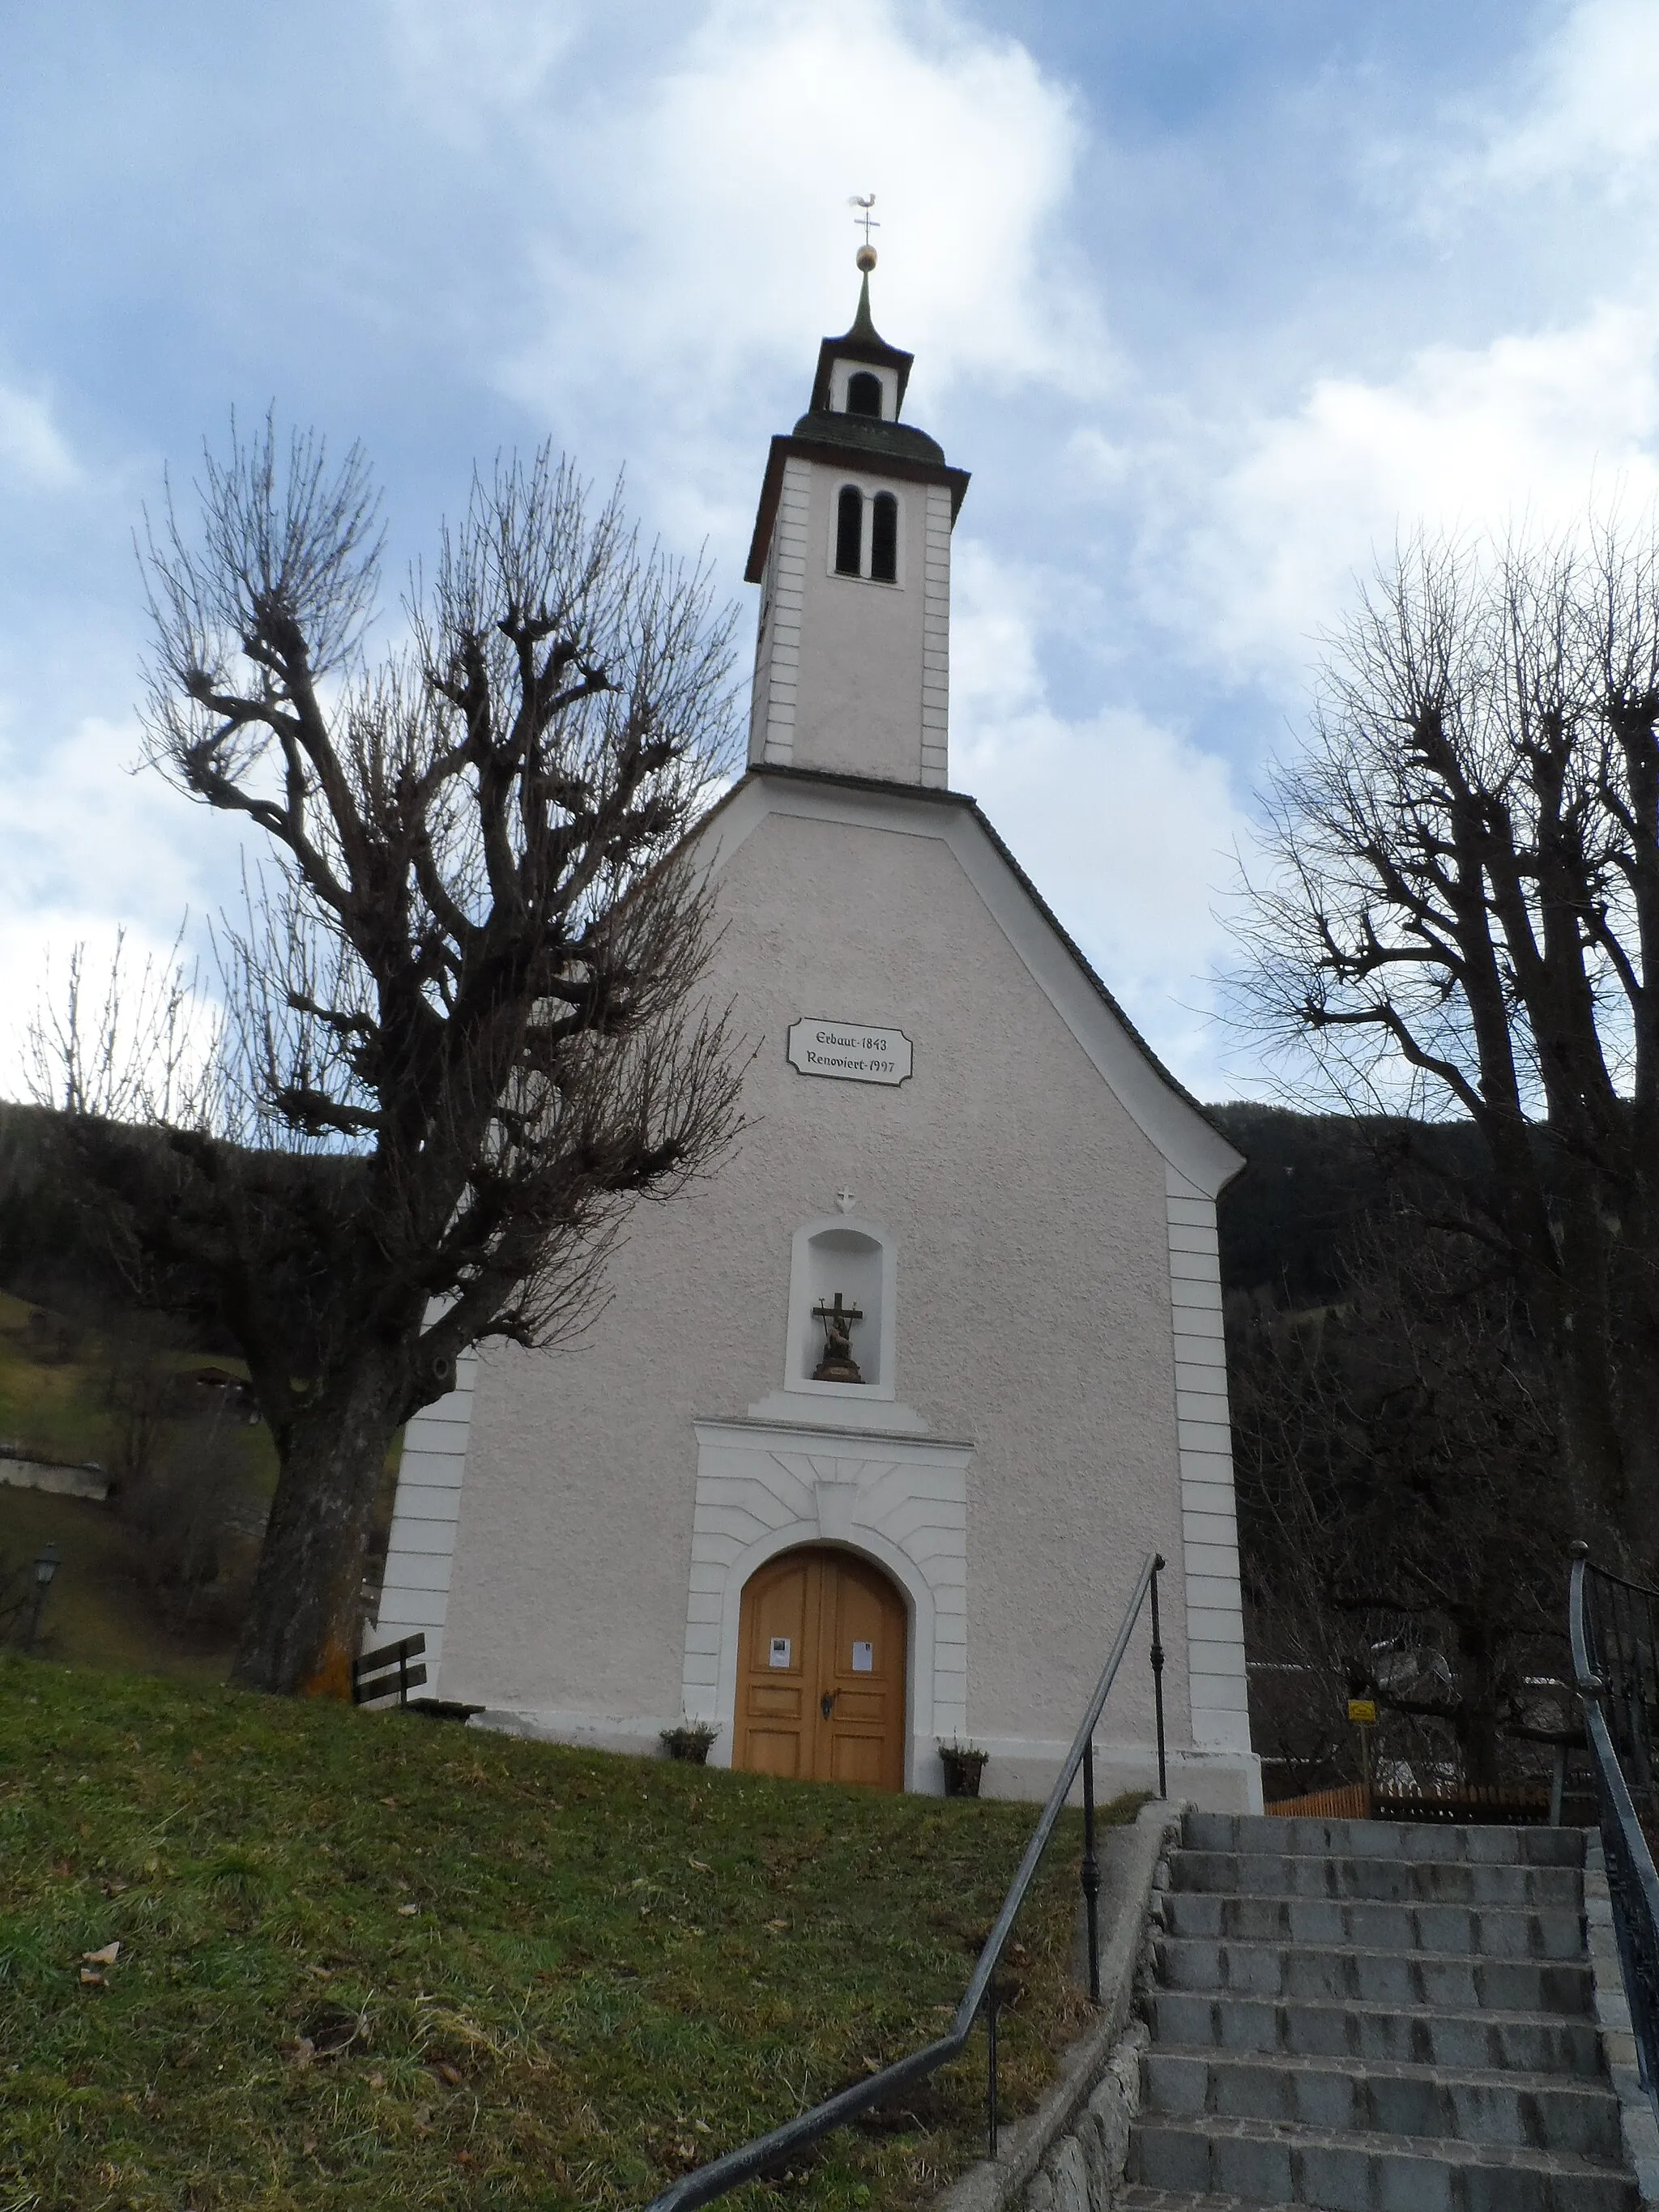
(1460, 915)
(465, 1020)
(139, 1386)
(1401, 1518)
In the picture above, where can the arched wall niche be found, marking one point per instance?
(858, 1261)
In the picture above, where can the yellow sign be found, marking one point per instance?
(1362, 1711)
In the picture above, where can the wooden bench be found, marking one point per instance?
(381, 1673)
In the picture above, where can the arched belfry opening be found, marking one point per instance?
(883, 538)
(867, 535)
(849, 531)
(864, 394)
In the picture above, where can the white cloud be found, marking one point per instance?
(93, 848)
(34, 455)
(1126, 826)
(655, 199)
(703, 237)
(1529, 427)
(1591, 104)
(467, 67)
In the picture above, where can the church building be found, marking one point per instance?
(866, 1450)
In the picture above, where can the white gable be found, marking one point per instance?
(1160, 1109)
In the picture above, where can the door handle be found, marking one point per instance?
(827, 1702)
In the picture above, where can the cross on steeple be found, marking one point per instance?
(864, 201)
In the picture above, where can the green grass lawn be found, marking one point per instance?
(559, 1979)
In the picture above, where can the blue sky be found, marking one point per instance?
(1212, 299)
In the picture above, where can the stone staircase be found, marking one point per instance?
(1372, 2017)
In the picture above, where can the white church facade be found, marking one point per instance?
(866, 1450)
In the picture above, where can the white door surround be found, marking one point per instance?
(764, 1488)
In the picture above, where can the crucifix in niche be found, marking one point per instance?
(837, 1364)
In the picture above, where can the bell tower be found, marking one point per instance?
(851, 552)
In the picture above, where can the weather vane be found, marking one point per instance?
(865, 201)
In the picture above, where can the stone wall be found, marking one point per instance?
(1070, 2154)
(1084, 2171)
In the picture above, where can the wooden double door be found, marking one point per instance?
(821, 1671)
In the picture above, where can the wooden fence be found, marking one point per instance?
(1501, 1808)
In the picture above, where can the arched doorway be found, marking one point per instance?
(821, 1671)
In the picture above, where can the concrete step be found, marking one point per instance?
(1268, 2162)
(1531, 2042)
(1138, 2198)
(1385, 2097)
(1386, 1880)
(1486, 1931)
(1383, 1839)
(1442, 1980)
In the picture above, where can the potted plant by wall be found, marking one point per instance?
(692, 1740)
(963, 1763)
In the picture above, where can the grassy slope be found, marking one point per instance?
(95, 1613)
(613, 1968)
(98, 1614)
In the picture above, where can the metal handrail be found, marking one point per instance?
(706, 2182)
(1608, 1658)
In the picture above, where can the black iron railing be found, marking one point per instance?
(1614, 1625)
(982, 1995)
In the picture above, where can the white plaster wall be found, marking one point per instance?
(1035, 1318)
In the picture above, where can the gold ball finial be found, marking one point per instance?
(866, 258)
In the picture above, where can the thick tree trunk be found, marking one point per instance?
(301, 1630)
(1477, 1719)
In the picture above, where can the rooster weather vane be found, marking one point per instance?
(865, 221)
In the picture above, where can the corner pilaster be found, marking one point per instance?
(1209, 1522)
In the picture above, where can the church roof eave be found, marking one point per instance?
(837, 452)
(868, 433)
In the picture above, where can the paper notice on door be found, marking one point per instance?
(864, 1658)
(780, 1651)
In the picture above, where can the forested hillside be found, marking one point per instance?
(1313, 1182)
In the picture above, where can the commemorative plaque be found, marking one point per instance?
(849, 1052)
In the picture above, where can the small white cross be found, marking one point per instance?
(845, 1201)
(865, 219)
